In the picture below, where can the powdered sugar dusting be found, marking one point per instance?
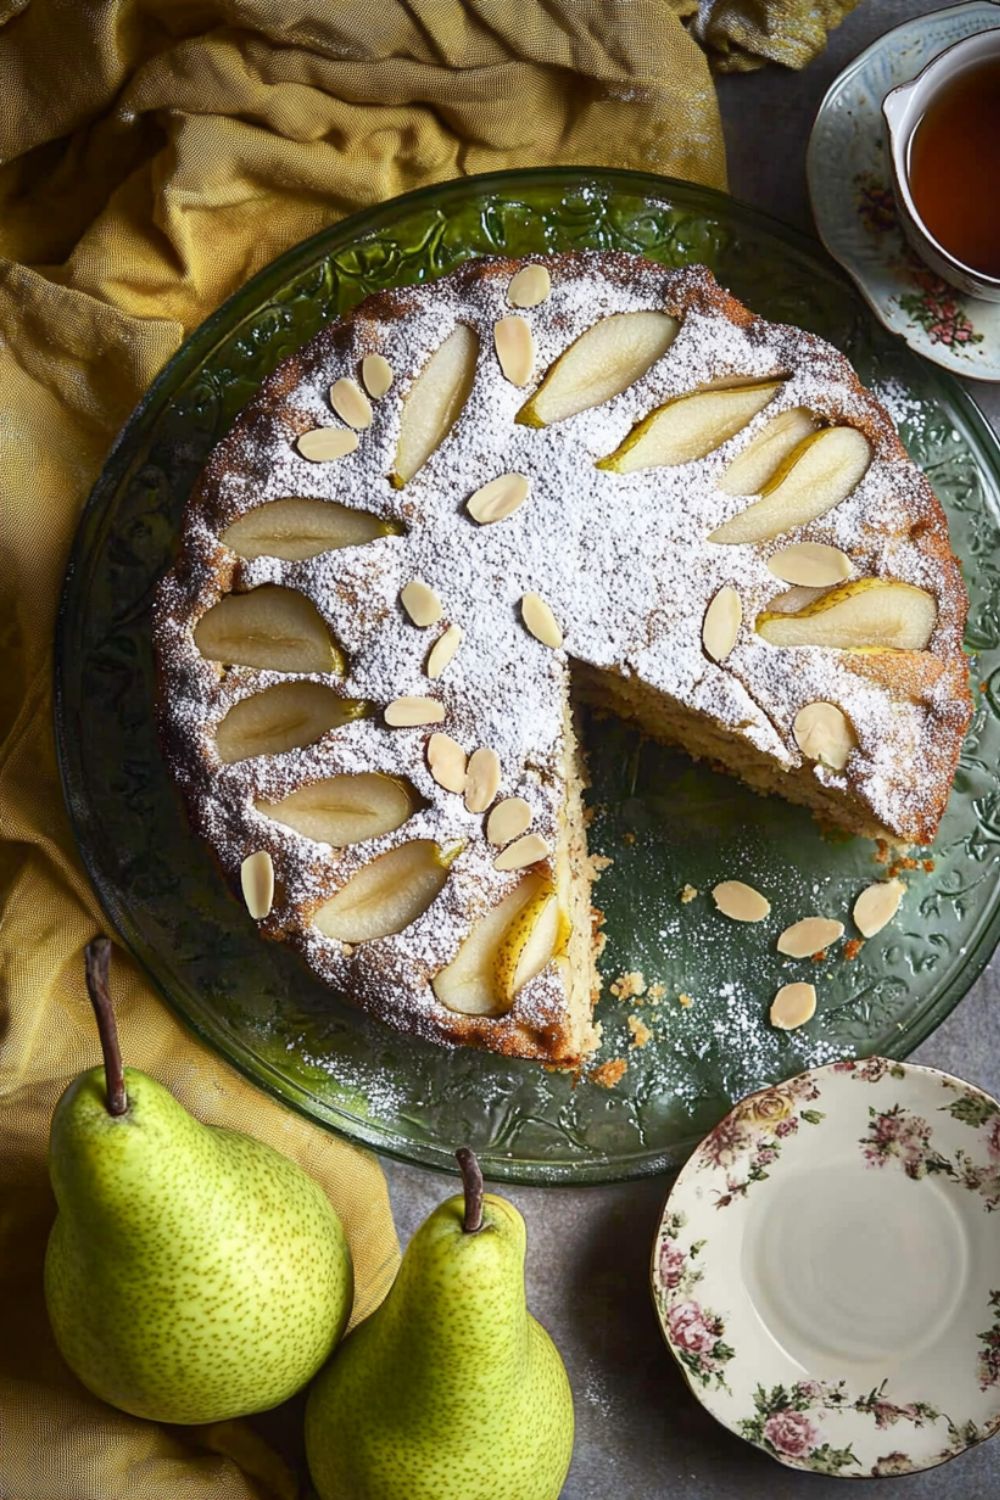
(622, 560)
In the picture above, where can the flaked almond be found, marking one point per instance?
(540, 620)
(810, 565)
(443, 650)
(482, 780)
(498, 499)
(421, 603)
(350, 403)
(722, 622)
(793, 1005)
(515, 349)
(741, 902)
(324, 443)
(877, 906)
(376, 372)
(446, 761)
(508, 820)
(809, 936)
(530, 287)
(525, 851)
(407, 713)
(823, 732)
(257, 882)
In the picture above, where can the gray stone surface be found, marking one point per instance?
(639, 1431)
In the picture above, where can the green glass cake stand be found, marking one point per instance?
(664, 821)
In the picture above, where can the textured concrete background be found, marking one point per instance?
(639, 1431)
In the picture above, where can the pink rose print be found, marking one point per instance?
(672, 1260)
(993, 1136)
(787, 1127)
(689, 1330)
(791, 1432)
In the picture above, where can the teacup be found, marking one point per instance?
(903, 109)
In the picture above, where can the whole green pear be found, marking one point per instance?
(450, 1390)
(192, 1273)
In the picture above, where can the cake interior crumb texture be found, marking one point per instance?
(629, 561)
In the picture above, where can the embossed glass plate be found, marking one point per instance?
(665, 821)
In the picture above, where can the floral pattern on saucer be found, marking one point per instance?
(938, 1134)
(855, 212)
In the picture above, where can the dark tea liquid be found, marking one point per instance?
(954, 167)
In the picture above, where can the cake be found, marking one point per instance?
(462, 507)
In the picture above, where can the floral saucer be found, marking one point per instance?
(853, 206)
(827, 1269)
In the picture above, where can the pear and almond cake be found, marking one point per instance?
(460, 499)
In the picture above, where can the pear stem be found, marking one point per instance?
(96, 960)
(472, 1182)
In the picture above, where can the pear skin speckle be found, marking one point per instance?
(193, 1274)
(450, 1390)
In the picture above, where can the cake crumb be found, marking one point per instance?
(609, 1074)
(628, 837)
(656, 992)
(599, 863)
(684, 1001)
(819, 957)
(640, 1031)
(904, 862)
(852, 948)
(627, 986)
(881, 855)
(600, 943)
(928, 865)
(688, 893)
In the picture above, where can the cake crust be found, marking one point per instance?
(623, 560)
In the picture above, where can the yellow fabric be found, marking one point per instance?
(155, 154)
(742, 35)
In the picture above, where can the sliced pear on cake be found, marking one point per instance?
(297, 529)
(750, 471)
(434, 402)
(472, 984)
(387, 894)
(818, 474)
(870, 614)
(346, 809)
(288, 716)
(603, 362)
(689, 427)
(538, 932)
(273, 628)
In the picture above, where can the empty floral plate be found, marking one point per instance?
(827, 1269)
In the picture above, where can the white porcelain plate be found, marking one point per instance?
(853, 205)
(827, 1269)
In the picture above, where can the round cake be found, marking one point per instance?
(464, 506)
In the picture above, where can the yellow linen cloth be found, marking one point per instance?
(742, 35)
(154, 154)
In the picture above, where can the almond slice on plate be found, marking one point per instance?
(793, 1006)
(877, 906)
(811, 935)
(498, 499)
(741, 902)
